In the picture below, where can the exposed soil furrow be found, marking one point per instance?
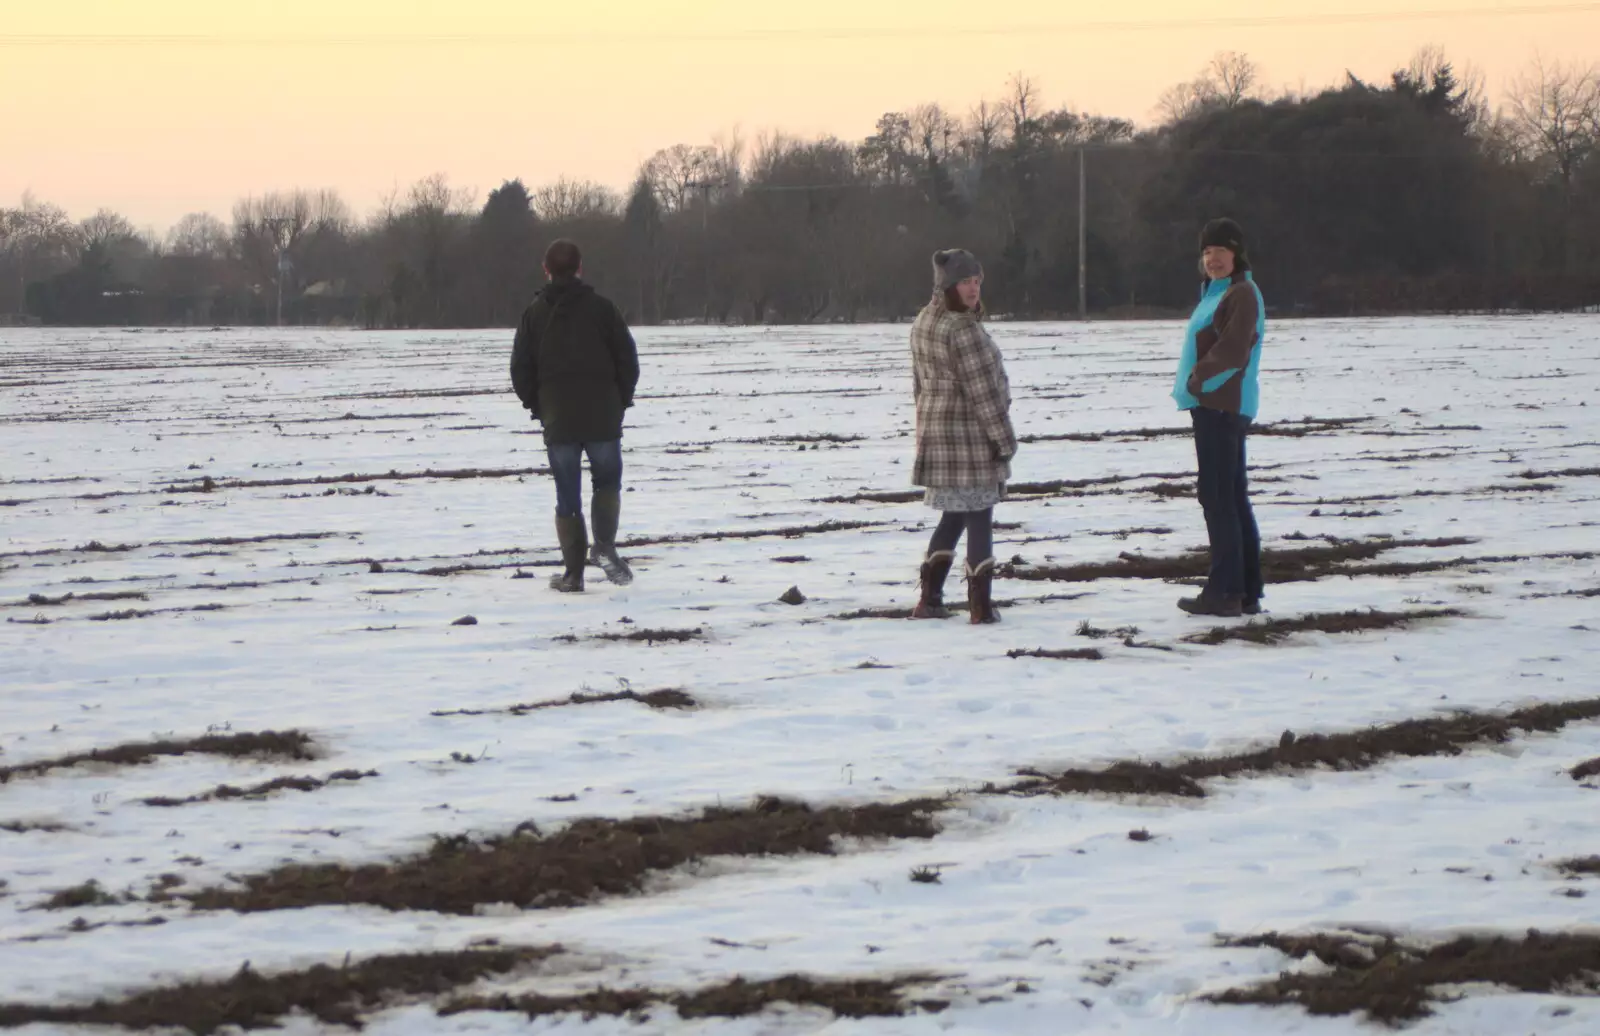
(1580, 866)
(1393, 981)
(419, 394)
(1593, 591)
(1292, 429)
(667, 698)
(361, 417)
(47, 481)
(1122, 534)
(1407, 568)
(227, 792)
(1561, 473)
(1273, 631)
(336, 995)
(23, 827)
(1418, 494)
(1058, 487)
(892, 612)
(1084, 654)
(773, 440)
(1583, 771)
(1278, 565)
(266, 744)
(584, 861)
(792, 532)
(96, 547)
(648, 636)
(209, 485)
(121, 615)
(738, 998)
(46, 601)
(1358, 750)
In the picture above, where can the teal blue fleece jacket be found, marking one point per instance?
(1220, 364)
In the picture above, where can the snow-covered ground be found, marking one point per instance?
(99, 426)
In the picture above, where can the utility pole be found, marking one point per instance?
(284, 266)
(277, 224)
(1083, 240)
(705, 237)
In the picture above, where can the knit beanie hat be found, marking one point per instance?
(1224, 233)
(951, 266)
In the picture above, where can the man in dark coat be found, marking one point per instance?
(575, 366)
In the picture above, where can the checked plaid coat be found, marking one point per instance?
(964, 435)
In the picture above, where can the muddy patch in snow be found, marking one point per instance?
(1396, 981)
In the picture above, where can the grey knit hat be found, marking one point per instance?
(951, 266)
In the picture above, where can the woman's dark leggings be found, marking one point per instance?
(979, 527)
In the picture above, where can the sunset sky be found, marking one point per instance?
(366, 95)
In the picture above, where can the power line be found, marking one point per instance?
(803, 33)
(1130, 148)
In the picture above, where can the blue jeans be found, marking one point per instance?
(1224, 488)
(566, 464)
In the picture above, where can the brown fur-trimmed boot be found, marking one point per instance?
(980, 602)
(935, 567)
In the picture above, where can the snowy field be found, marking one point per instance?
(169, 482)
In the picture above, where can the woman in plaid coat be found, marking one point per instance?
(964, 438)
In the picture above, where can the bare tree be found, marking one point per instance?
(283, 238)
(39, 241)
(434, 193)
(934, 131)
(1475, 99)
(985, 128)
(1554, 110)
(1022, 103)
(678, 171)
(198, 234)
(1431, 66)
(1226, 82)
(105, 228)
(730, 149)
(567, 200)
(1233, 77)
(771, 146)
(1181, 100)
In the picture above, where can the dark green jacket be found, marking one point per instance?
(574, 364)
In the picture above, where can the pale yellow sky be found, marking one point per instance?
(331, 93)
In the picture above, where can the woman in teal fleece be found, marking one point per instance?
(1218, 383)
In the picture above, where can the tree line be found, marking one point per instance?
(1408, 194)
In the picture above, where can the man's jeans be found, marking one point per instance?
(1224, 489)
(566, 464)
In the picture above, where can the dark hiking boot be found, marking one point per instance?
(574, 545)
(1223, 606)
(935, 567)
(1251, 606)
(980, 583)
(605, 512)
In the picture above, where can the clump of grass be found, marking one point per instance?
(88, 894)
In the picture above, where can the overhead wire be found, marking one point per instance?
(783, 34)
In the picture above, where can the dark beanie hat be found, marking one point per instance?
(1223, 233)
(951, 266)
